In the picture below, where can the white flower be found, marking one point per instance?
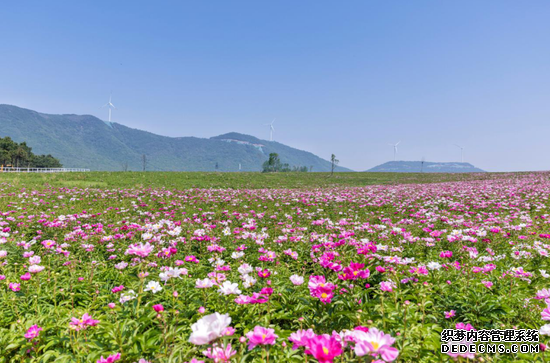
(544, 274)
(153, 286)
(3, 254)
(172, 273)
(297, 280)
(33, 269)
(203, 284)
(545, 329)
(245, 268)
(209, 328)
(237, 255)
(130, 295)
(229, 288)
(433, 265)
(248, 281)
(35, 260)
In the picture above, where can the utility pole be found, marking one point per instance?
(144, 161)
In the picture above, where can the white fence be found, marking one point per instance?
(41, 170)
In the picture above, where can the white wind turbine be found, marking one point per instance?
(271, 129)
(461, 152)
(395, 149)
(110, 105)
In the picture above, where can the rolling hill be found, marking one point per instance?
(428, 167)
(84, 141)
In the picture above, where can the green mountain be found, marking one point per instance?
(84, 141)
(425, 167)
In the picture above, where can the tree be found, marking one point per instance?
(144, 161)
(21, 155)
(217, 166)
(273, 164)
(334, 162)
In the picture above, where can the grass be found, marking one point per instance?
(185, 180)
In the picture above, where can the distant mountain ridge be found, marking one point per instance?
(84, 141)
(428, 167)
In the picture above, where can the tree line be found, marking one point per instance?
(20, 155)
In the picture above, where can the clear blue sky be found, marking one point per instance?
(343, 77)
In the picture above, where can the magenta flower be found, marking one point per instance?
(261, 336)
(14, 286)
(109, 359)
(324, 348)
(26, 277)
(33, 332)
(116, 289)
(449, 314)
(158, 308)
(82, 323)
(264, 273)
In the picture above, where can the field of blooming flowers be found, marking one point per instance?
(334, 274)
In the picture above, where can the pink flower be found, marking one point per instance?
(543, 294)
(387, 286)
(220, 353)
(158, 308)
(48, 244)
(463, 326)
(261, 336)
(301, 338)
(82, 323)
(546, 314)
(14, 286)
(33, 332)
(194, 360)
(26, 277)
(375, 343)
(202, 310)
(487, 284)
(109, 359)
(116, 289)
(449, 314)
(111, 305)
(141, 250)
(229, 331)
(324, 348)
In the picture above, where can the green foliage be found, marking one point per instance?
(20, 155)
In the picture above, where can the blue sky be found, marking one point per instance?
(343, 77)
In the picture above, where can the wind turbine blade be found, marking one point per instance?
(398, 143)
(272, 122)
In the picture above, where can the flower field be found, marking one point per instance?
(332, 274)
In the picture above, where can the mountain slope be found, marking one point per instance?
(85, 141)
(428, 167)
